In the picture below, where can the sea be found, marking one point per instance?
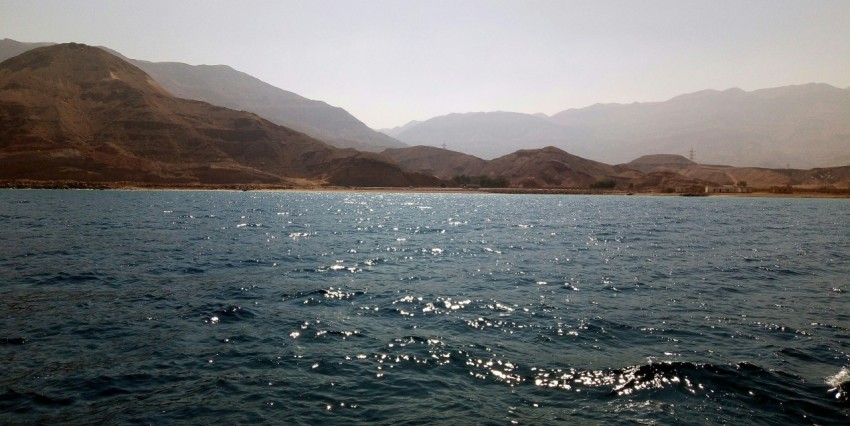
(216, 307)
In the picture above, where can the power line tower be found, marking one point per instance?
(444, 145)
(691, 154)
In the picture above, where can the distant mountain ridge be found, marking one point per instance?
(488, 134)
(395, 131)
(72, 112)
(10, 48)
(802, 126)
(227, 87)
(224, 86)
(798, 126)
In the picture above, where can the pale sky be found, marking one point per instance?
(389, 62)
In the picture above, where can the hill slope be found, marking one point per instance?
(757, 177)
(75, 112)
(442, 163)
(549, 167)
(538, 168)
(224, 86)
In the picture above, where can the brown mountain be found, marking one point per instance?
(756, 177)
(549, 167)
(74, 112)
(538, 168)
(224, 86)
(443, 163)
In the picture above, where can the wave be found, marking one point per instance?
(840, 385)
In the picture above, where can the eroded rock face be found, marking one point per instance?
(75, 112)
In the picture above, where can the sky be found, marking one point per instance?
(392, 61)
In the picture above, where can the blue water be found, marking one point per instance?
(305, 308)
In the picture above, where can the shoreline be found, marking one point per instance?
(136, 186)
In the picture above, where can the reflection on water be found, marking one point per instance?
(239, 307)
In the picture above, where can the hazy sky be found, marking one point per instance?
(389, 62)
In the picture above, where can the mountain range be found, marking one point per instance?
(71, 112)
(224, 86)
(75, 112)
(795, 126)
(551, 167)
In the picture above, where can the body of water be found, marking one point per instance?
(304, 308)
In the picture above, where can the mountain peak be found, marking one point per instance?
(78, 65)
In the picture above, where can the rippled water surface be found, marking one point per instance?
(244, 307)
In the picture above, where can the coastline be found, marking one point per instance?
(141, 186)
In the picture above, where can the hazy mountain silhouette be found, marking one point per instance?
(75, 112)
(395, 131)
(10, 48)
(224, 86)
(801, 126)
(227, 87)
(489, 134)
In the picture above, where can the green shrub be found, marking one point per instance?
(603, 184)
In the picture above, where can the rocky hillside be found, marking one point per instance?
(535, 168)
(756, 177)
(74, 112)
(442, 163)
(224, 86)
(552, 167)
(549, 167)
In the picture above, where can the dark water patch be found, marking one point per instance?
(12, 401)
(797, 354)
(193, 270)
(72, 278)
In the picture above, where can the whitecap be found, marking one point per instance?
(840, 379)
(840, 384)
